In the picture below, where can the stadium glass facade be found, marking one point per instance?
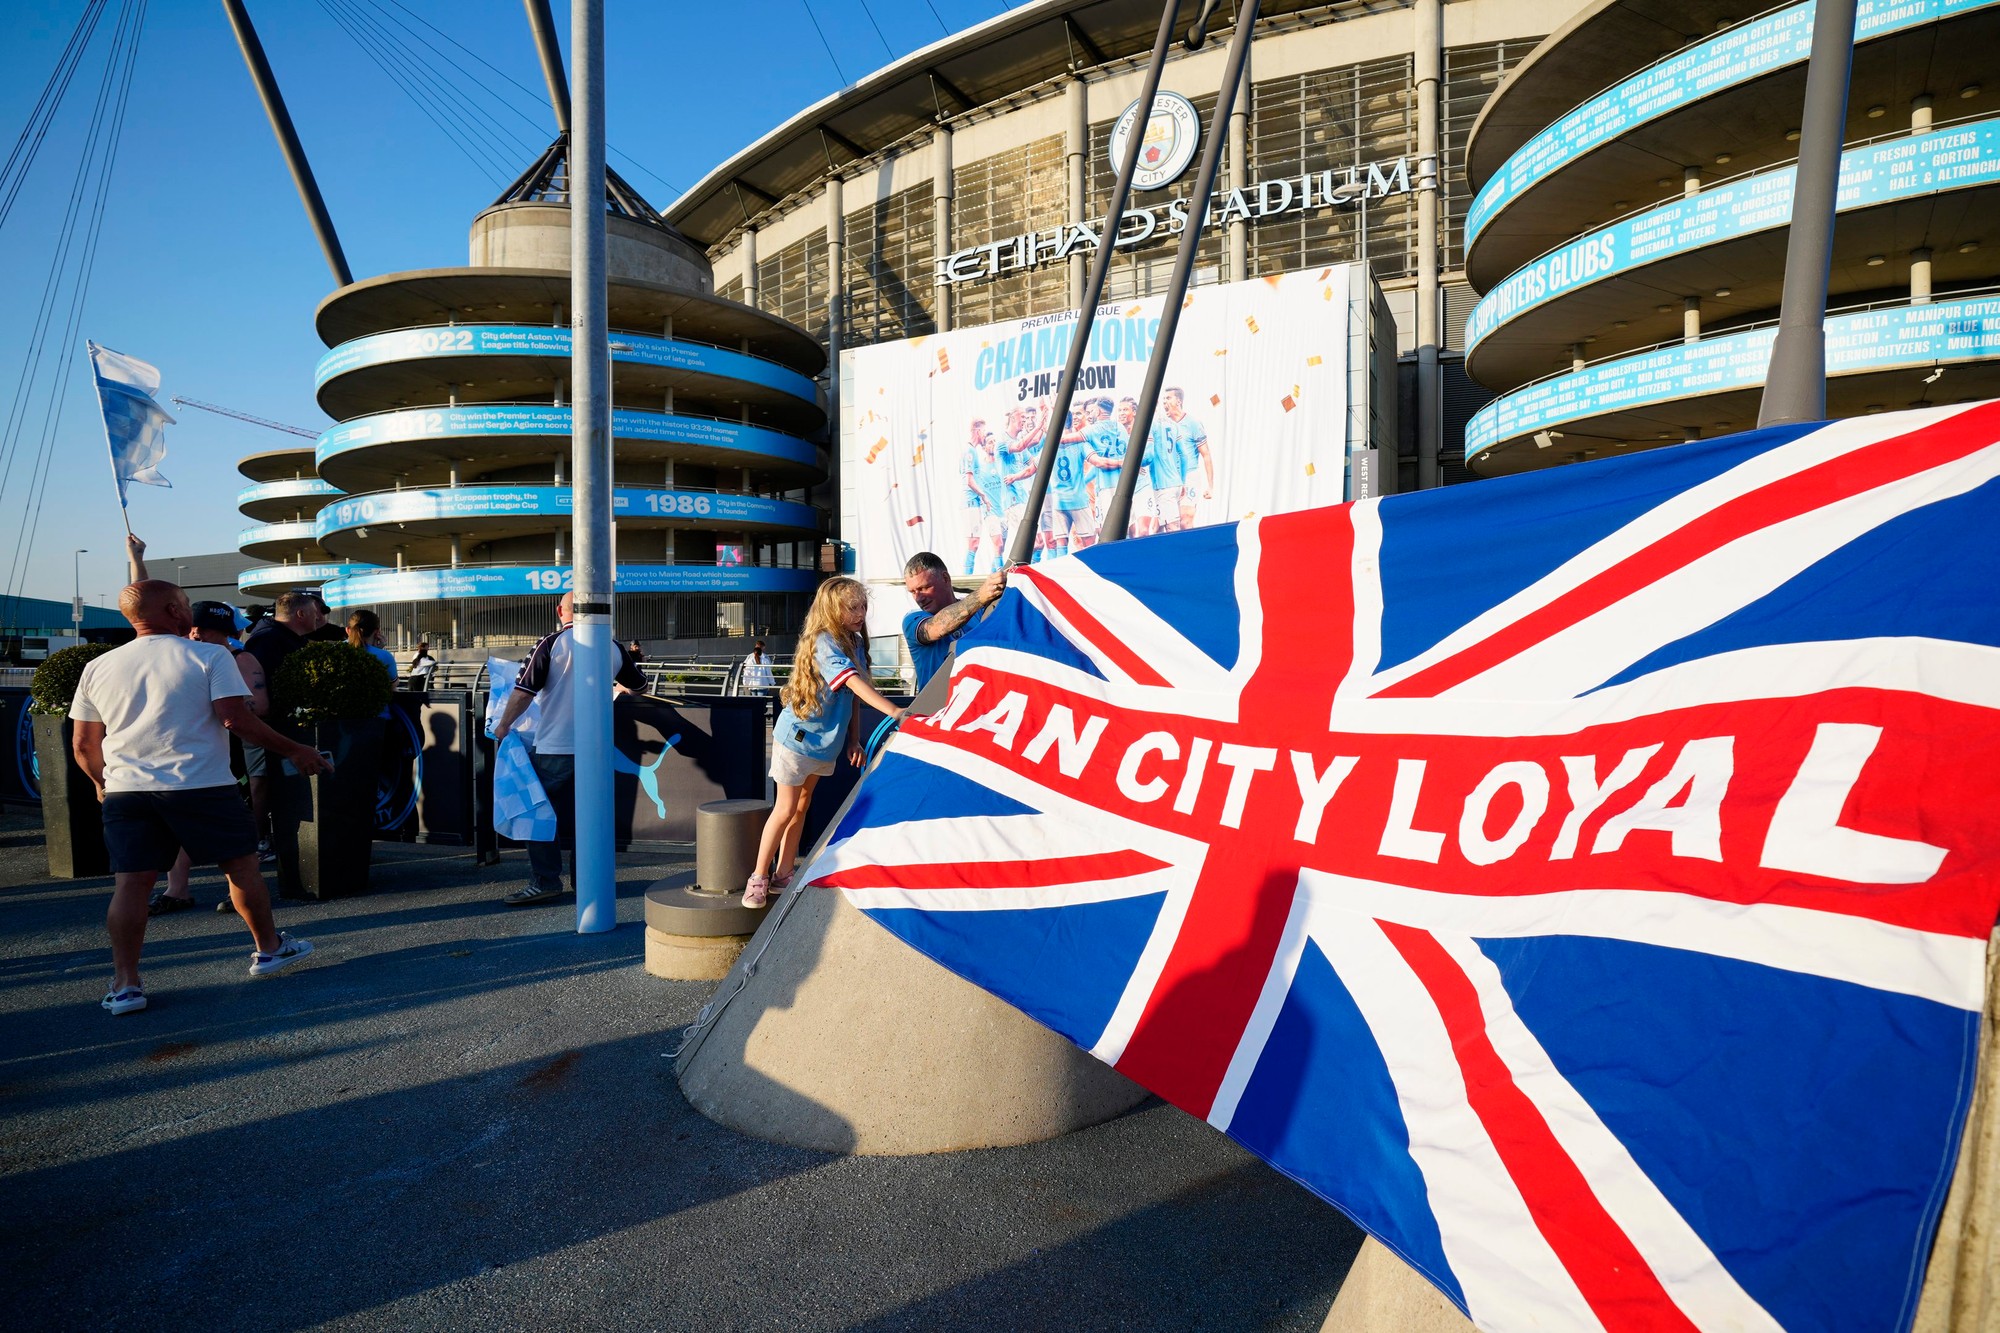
(847, 218)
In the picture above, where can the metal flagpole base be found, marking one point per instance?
(696, 924)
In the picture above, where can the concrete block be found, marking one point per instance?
(1962, 1285)
(845, 1039)
(691, 957)
(1382, 1293)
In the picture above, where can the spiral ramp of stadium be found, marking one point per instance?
(1630, 247)
(285, 501)
(444, 482)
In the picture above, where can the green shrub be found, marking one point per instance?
(329, 682)
(54, 685)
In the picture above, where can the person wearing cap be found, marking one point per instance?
(298, 616)
(214, 622)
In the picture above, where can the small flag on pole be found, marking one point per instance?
(134, 424)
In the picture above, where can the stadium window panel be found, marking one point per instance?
(792, 284)
(888, 273)
(1329, 120)
(1023, 189)
(731, 290)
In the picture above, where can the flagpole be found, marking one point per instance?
(1117, 514)
(1023, 548)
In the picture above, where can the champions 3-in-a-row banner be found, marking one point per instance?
(940, 435)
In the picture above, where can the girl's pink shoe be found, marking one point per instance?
(757, 892)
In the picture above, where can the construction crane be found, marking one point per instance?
(245, 416)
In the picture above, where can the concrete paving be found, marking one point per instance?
(457, 1115)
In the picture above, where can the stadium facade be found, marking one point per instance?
(962, 185)
(1575, 212)
(1634, 201)
(441, 498)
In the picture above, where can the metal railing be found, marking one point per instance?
(665, 677)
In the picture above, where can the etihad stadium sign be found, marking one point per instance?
(1258, 202)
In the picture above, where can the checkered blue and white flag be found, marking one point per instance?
(135, 426)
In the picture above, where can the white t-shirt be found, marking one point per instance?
(154, 697)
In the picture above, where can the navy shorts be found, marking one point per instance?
(146, 830)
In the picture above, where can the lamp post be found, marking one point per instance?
(594, 655)
(76, 592)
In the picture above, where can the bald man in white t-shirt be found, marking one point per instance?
(152, 732)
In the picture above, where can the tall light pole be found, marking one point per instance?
(76, 592)
(590, 472)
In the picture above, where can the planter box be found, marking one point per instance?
(323, 828)
(72, 820)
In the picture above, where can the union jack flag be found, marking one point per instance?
(1583, 879)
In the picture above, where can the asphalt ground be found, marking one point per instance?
(460, 1115)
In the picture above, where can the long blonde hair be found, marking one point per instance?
(805, 692)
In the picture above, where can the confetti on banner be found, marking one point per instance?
(1314, 360)
(1324, 274)
(875, 449)
(1187, 300)
(918, 458)
(1311, 471)
(913, 520)
(1251, 320)
(944, 360)
(1215, 400)
(1133, 310)
(1326, 293)
(1272, 280)
(1288, 402)
(1222, 351)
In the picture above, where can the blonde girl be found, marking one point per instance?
(832, 657)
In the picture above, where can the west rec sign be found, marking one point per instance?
(1170, 138)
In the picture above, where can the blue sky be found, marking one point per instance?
(207, 267)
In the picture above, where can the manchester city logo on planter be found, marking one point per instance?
(1172, 132)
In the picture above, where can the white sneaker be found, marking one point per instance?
(289, 952)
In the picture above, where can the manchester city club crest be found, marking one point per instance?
(1172, 133)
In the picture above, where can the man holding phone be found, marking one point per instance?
(153, 720)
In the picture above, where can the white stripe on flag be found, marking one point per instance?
(1814, 447)
(1508, 1272)
(1685, 1266)
(1948, 969)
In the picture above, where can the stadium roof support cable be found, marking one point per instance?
(416, 83)
(824, 42)
(26, 386)
(889, 50)
(100, 146)
(540, 128)
(502, 137)
(22, 156)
